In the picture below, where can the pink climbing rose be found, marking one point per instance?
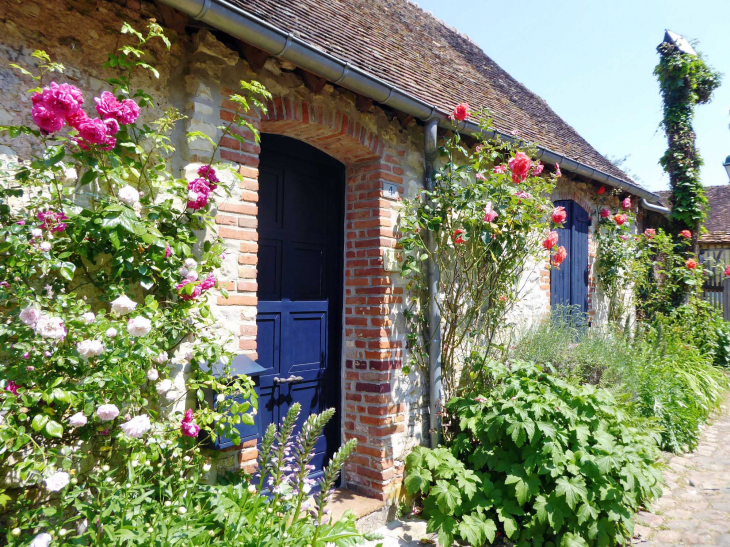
(198, 192)
(520, 167)
(686, 234)
(461, 112)
(208, 173)
(650, 233)
(605, 213)
(109, 108)
(559, 215)
(537, 168)
(620, 218)
(188, 426)
(12, 387)
(551, 240)
(47, 120)
(559, 256)
(691, 263)
(62, 99)
(626, 203)
(489, 213)
(499, 169)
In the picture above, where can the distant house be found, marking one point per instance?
(315, 296)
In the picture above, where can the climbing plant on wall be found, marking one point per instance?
(685, 81)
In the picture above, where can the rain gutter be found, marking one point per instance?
(240, 24)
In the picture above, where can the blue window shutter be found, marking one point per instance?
(569, 284)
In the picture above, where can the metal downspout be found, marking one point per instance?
(656, 208)
(434, 316)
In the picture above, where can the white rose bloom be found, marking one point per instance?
(45, 246)
(139, 326)
(123, 305)
(111, 332)
(36, 232)
(171, 395)
(77, 420)
(57, 481)
(192, 275)
(30, 315)
(41, 540)
(190, 264)
(206, 467)
(128, 195)
(137, 426)
(161, 358)
(107, 413)
(90, 348)
(164, 386)
(50, 327)
(152, 375)
(89, 317)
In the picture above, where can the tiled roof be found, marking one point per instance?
(718, 216)
(409, 48)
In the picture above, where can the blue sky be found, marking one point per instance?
(593, 62)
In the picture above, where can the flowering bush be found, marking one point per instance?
(538, 460)
(489, 214)
(102, 295)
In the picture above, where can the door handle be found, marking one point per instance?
(292, 379)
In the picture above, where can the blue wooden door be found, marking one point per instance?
(569, 284)
(301, 207)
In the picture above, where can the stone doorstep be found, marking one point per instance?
(370, 513)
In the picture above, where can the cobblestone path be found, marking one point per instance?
(695, 507)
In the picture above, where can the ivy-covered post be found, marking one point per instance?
(685, 80)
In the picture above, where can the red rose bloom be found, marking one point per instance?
(686, 234)
(459, 236)
(650, 233)
(620, 218)
(727, 271)
(520, 167)
(500, 168)
(559, 215)
(461, 112)
(601, 190)
(691, 263)
(605, 213)
(551, 240)
(560, 255)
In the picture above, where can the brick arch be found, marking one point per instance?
(332, 131)
(372, 346)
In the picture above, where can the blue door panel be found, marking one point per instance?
(299, 278)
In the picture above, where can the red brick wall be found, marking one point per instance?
(372, 350)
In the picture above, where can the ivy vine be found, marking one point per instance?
(685, 81)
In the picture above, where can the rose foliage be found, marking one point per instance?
(104, 286)
(488, 216)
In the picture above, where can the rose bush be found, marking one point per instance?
(103, 297)
(490, 215)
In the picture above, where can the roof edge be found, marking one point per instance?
(249, 28)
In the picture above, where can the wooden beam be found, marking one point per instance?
(405, 119)
(312, 81)
(256, 57)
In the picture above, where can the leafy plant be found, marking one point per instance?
(487, 215)
(685, 80)
(165, 500)
(540, 460)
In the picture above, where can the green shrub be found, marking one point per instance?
(675, 382)
(577, 354)
(539, 458)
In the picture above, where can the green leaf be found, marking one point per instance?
(418, 480)
(447, 495)
(573, 490)
(88, 177)
(586, 512)
(39, 422)
(526, 486)
(54, 429)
